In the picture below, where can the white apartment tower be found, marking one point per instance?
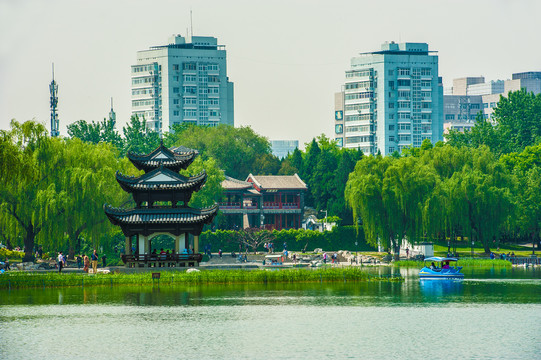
(391, 99)
(182, 82)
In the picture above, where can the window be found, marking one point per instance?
(175, 66)
(391, 72)
(404, 94)
(427, 105)
(404, 82)
(190, 78)
(474, 106)
(426, 83)
(358, 128)
(360, 117)
(404, 137)
(176, 113)
(391, 116)
(363, 95)
(358, 73)
(404, 105)
(449, 116)
(189, 66)
(391, 127)
(492, 104)
(190, 90)
(404, 126)
(426, 71)
(391, 105)
(357, 85)
(391, 138)
(391, 85)
(391, 150)
(175, 78)
(176, 90)
(402, 116)
(485, 105)
(190, 112)
(176, 101)
(190, 101)
(426, 117)
(403, 72)
(426, 94)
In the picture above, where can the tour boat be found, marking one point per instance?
(441, 270)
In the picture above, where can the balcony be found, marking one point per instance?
(229, 205)
(278, 205)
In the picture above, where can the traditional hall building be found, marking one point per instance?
(270, 202)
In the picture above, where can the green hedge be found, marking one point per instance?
(11, 254)
(340, 238)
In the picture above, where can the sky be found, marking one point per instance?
(285, 58)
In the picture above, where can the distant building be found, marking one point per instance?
(391, 99)
(472, 95)
(182, 82)
(270, 202)
(280, 148)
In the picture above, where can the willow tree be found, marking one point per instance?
(481, 193)
(364, 194)
(407, 185)
(31, 199)
(89, 180)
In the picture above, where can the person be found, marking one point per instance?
(79, 261)
(104, 260)
(94, 259)
(324, 258)
(60, 261)
(407, 253)
(294, 258)
(220, 253)
(285, 245)
(86, 263)
(265, 246)
(64, 260)
(433, 266)
(492, 256)
(446, 265)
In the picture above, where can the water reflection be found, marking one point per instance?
(441, 289)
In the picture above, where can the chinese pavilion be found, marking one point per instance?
(270, 202)
(161, 198)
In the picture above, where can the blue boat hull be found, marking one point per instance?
(427, 273)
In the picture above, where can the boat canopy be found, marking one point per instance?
(440, 259)
(273, 256)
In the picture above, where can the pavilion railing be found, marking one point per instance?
(156, 258)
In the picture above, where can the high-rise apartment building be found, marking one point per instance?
(182, 82)
(391, 99)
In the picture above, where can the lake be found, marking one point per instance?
(492, 314)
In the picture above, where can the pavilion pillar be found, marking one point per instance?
(177, 242)
(196, 244)
(128, 246)
(141, 244)
(147, 243)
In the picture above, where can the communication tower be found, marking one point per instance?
(53, 88)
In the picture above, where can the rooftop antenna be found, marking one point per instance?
(191, 24)
(53, 89)
(112, 114)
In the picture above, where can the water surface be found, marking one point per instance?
(493, 315)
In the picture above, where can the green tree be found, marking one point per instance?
(95, 132)
(235, 150)
(138, 138)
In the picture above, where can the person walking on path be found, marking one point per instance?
(86, 263)
(60, 261)
(94, 259)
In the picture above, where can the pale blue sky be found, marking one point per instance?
(286, 58)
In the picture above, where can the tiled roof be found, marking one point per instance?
(233, 184)
(278, 181)
(184, 215)
(162, 179)
(162, 156)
